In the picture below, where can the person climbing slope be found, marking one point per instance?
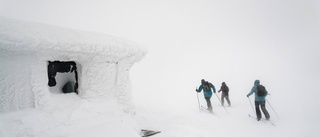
(225, 93)
(260, 95)
(206, 87)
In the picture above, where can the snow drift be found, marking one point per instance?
(103, 64)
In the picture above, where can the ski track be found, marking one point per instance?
(195, 122)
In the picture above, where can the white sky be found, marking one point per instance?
(236, 41)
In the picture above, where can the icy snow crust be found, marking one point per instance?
(17, 35)
(103, 64)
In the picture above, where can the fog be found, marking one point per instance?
(276, 41)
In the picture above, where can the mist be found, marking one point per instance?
(232, 41)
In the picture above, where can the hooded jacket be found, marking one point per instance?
(254, 90)
(207, 93)
(224, 88)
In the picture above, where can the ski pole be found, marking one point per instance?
(221, 103)
(273, 109)
(198, 100)
(251, 104)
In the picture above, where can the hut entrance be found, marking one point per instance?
(63, 76)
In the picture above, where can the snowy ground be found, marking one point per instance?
(175, 122)
(69, 117)
(73, 117)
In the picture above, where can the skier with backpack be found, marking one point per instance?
(260, 95)
(225, 93)
(206, 87)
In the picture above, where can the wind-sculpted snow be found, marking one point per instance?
(15, 35)
(103, 64)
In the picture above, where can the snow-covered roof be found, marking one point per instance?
(21, 35)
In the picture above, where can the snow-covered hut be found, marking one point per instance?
(37, 60)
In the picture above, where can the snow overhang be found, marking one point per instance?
(21, 35)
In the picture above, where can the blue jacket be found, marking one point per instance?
(207, 93)
(254, 90)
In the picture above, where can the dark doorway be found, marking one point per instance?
(64, 74)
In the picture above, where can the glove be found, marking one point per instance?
(247, 95)
(197, 90)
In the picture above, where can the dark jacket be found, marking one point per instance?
(224, 88)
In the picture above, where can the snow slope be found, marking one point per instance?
(73, 117)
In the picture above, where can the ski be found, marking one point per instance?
(263, 120)
(148, 133)
(205, 109)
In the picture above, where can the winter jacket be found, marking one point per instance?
(209, 92)
(225, 89)
(254, 90)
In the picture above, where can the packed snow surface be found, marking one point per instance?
(75, 117)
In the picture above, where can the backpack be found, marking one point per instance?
(206, 86)
(261, 90)
(225, 89)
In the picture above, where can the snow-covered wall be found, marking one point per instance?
(15, 88)
(103, 64)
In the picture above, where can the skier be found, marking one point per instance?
(259, 101)
(206, 87)
(225, 93)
